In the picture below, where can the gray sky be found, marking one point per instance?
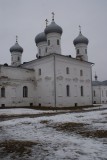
(26, 18)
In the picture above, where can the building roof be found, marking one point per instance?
(53, 28)
(16, 48)
(41, 37)
(80, 39)
(99, 83)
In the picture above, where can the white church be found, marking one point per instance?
(52, 79)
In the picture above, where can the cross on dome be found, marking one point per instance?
(80, 28)
(16, 39)
(53, 14)
(46, 22)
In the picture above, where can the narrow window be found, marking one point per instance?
(102, 94)
(106, 93)
(81, 88)
(39, 51)
(86, 51)
(77, 51)
(57, 41)
(81, 72)
(68, 90)
(18, 58)
(2, 92)
(94, 93)
(46, 49)
(48, 42)
(25, 91)
(39, 72)
(67, 70)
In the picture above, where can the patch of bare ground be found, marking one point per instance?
(16, 148)
(44, 122)
(81, 129)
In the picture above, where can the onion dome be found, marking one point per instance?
(53, 27)
(16, 47)
(80, 39)
(41, 37)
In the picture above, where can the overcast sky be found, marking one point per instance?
(26, 18)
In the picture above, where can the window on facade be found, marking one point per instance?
(94, 94)
(46, 49)
(81, 72)
(82, 91)
(102, 94)
(39, 51)
(18, 58)
(67, 70)
(86, 51)
(48, 42)
(25, 91)
(78, 51)
(57, 41)
(2, 92)
(68, 90)
(39, 72)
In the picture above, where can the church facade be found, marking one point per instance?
(52, 79)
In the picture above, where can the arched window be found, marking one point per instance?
(94, 93)
(81, 72)
(57, 41)
(2, 92)
(39, 71)
(82, 91)
(86, 51)
(25, 91)
(48, 42)
(67, 70)
(68, 90)
(18, 59)
(78, 51)
(46, 49)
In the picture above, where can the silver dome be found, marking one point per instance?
(16, 48)
(41, 37)
(53, 27)
(80, 39)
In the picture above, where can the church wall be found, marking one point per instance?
(44, 93)
(74, 80)
(13, 80)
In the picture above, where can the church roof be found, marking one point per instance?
(99, 83)
(16, 47)
(41, 37)
(80, 39)
(53, 28)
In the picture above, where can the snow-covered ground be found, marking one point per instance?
(54, 144)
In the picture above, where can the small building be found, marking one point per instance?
(99, 91)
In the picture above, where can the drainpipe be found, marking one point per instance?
(54, 82)
(91, 84)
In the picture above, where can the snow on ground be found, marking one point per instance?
(54, 144)
(20, 111)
